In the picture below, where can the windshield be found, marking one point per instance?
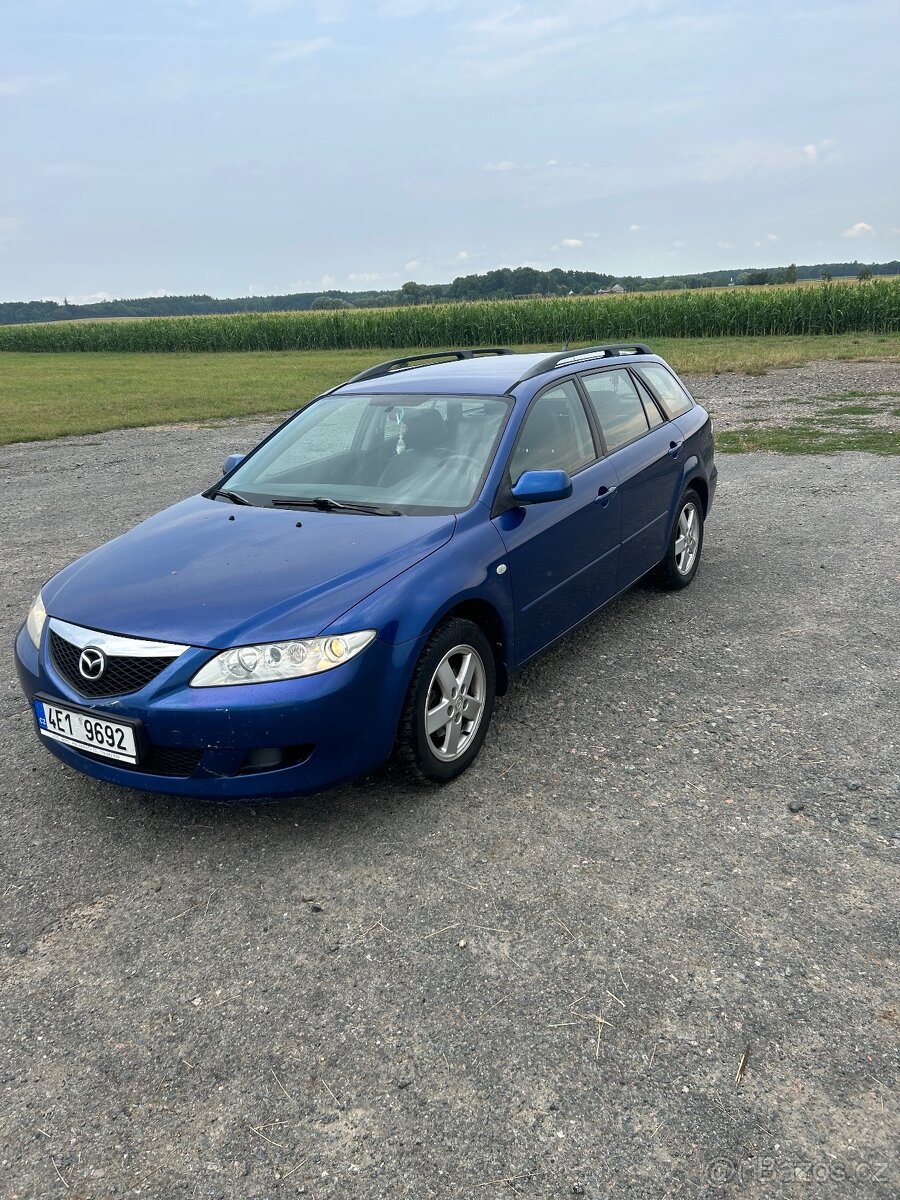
(393, 453)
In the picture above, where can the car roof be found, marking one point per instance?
(487, 375)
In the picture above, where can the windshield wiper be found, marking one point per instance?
(326, 504)
(232, 496)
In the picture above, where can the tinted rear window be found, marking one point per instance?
(672, 395)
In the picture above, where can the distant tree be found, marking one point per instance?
(412, 293)
(755, 278)
(864, 273)
(827, 277)
(790, 273)
(321, 302)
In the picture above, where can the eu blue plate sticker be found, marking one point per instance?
(39, 713)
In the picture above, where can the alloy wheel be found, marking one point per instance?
(455, 703)
(687, 539)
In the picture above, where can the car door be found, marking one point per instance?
(646, 451)
(562, 555)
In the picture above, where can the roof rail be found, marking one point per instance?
(564, 357)
(412, 360)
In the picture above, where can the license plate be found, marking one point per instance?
(87, 731)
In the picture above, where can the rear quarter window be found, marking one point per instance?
(671, 394)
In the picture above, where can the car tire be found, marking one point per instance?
(449, 704)
(679, 567)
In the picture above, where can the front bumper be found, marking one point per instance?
(334, 726)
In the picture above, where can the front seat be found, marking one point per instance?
(425, 438)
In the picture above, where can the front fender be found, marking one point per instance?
(410, 606)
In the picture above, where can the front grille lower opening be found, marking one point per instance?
(174, 762)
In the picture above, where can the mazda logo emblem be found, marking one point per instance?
(92, 663)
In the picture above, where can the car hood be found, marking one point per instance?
(208, 573)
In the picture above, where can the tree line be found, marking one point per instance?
(505, 283)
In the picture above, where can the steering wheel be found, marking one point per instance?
(465, 459)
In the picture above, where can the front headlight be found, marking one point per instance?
(281, 660)
(37, 615)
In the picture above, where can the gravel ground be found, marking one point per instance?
(780, 397)
(676, 854)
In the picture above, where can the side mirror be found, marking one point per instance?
(232, 461)
(538, 487)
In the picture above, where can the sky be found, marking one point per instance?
(239, 147)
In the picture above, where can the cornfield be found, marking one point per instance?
(827, 309)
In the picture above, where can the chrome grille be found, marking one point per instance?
(129, 663)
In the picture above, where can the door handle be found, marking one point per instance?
(604, 493)
(674, 447)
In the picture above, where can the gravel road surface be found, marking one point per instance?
(673, 866)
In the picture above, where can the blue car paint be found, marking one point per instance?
(173, 578)
(348, 742)
(563, 558)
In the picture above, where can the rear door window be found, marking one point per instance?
(671, 394)
(618, 406)
(652, 413)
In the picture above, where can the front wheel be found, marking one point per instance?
(679, 566)
(449, 703)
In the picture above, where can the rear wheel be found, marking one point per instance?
(449, 703)
(679, 566)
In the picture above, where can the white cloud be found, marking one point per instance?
(462, 256)
(756, 156)
(679, 244)
(329, 12)
(294, 51)
(372, 276)
(633, 228)
(815, 151)
(510, 24)
(725, 245)
(508, 43)
(264, 8)
(25, 85)
(326, 11)
(413, 8)
(323, 283)
(412, 265)
(571, 243)
(504, 165)
(860, 229)
(65, 170)
(85, 298)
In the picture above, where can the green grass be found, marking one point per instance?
(808, 439)
(854, 410)
(840, 397)
(51, 395)
(833, 308)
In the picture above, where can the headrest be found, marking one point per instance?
(425, 429)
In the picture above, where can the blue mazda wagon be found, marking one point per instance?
(366, 580)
